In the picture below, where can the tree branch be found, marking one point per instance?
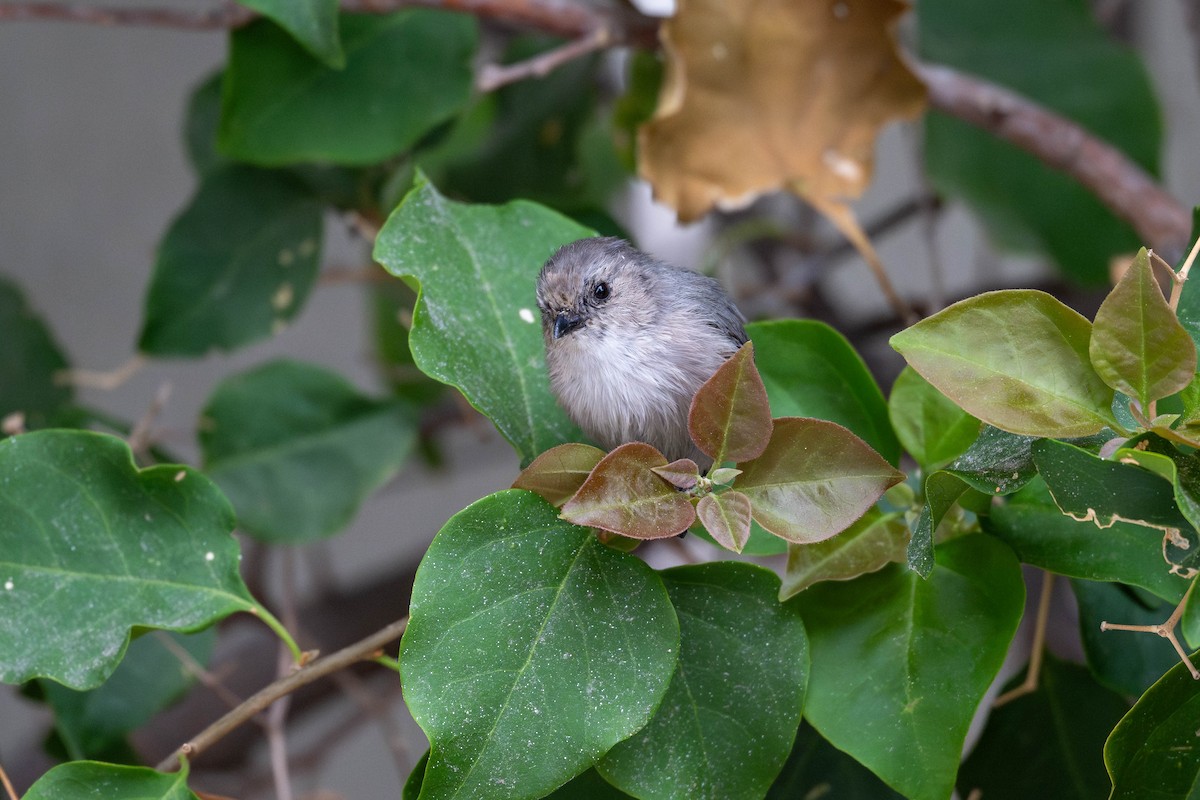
(359, 651)
(1123, 186)
(493, 76)
(559, 17)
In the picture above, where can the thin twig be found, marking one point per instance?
(139, 438)
(354, 275)
(276, 741)
(1037, 647)
(493, 76)
(353, 687)
(1123, 186)
(359, 651)
(104, 380)
(8, 787)
(194, 668)
(1163, 629)
(1182, 276)
(276, 716)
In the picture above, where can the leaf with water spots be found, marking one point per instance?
(900, 663)
(476, 322)
(532, 650)
(726, 724)
(91, 547)
(71, 781)
(235, 266)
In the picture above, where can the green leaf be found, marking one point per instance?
(814, 479)
(817, 769)
(868, 545)
(623, 495)
(899, 664)
(29, 360)
(476, 317)
(1126, 662)
(1047, 743)
(1041, 535)
(942, 490)
(405, 74)
(82, 528)
(1063, 47)
(1182, 470)
(67, 781)
(532, 650)
(730, 417)
(588, 786)
(312, 23)
(1091, 489)
(1138, 346)
(557, 474)
(977, 353)
(713, 735)
(201, 118)
(297, 448)
(149, 679)
(235, 266)
(810, 370)
(726, 517)
(1190, 397)
(997, 463)
(1152, 753)
(929, 426)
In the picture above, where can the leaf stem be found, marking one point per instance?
(363, 650)
(274, 624)
(1182, 276)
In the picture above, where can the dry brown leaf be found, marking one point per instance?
(762, 95)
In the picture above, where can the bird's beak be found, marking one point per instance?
(564, 323)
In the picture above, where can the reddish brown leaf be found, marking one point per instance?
(730, 418)
(559, 472)
(763, 95)
(623, 495)
(814, 479)
(726, 517)
(682, 474)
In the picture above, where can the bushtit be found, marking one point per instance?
(629, 340)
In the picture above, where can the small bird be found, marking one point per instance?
(629, 340)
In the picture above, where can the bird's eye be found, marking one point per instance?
(600, 291)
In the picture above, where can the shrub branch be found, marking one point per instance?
(363, 650)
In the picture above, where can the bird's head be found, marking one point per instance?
(589, 286)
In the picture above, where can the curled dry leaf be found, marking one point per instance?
(762, 95)
(730, 417)
(559, 472)
(726, 517)
(623, 495)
